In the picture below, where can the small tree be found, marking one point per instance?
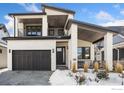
(74, 68)
(96, 66)
(85, 67)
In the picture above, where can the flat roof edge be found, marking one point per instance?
(36, 38)
(18, 14)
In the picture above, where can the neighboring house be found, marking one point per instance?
(53, 38)
(3, 46)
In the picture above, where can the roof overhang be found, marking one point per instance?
(57, 20)
(57, 8)
(90, 32)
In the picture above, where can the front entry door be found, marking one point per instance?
(60, 55)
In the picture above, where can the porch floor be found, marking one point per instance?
(61, 67)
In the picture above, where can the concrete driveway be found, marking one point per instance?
(25, 77)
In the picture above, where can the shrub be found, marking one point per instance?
(74, 68)
(85, 67)
(102, 75)
(119, 68)
(80, 78)
(106, 68)
(96, 66)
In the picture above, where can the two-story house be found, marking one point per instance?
(53, 38)
(3, 46)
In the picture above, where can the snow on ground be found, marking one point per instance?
(62, 77)
(3, 70)
(114, 79)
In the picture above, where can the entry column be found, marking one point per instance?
(73, 45)
(108, 50)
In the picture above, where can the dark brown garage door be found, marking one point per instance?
(31, 60)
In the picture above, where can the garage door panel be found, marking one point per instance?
(31, 59)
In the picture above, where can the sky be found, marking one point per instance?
(100, 13)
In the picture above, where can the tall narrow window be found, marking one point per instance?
(51, 32)
(60, 32)
(0, 51)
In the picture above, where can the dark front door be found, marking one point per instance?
(60, 55)
(31, 60)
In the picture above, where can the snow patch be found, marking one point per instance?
(62, 77)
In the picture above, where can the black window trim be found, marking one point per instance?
(82, 52)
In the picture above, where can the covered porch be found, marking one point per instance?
(84, 37)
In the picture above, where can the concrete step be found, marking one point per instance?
(62, 67)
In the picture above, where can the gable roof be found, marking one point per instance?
(57, 8)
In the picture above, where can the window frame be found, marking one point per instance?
(51, 30)
(83, 55)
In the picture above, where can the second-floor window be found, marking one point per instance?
(34, 30)
(56, 32)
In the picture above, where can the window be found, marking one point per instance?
(56, 32)
(51, 32)
(34, 30)
(0, 51)
(84, 53)
(60, 32)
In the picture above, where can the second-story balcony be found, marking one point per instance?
(30, 27)
(52, 25)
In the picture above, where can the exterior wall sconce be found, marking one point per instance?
(9, 50)
(52, 50)
(74, 59)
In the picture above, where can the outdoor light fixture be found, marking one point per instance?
(52, 50)
(9, 50)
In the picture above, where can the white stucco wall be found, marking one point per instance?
(73, 45)
(32, 45)
(108, 50)
(82, 43)
(3, 57)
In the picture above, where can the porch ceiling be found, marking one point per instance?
(31, 21)
(90, 32)
(90, 35)
(57, 20)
